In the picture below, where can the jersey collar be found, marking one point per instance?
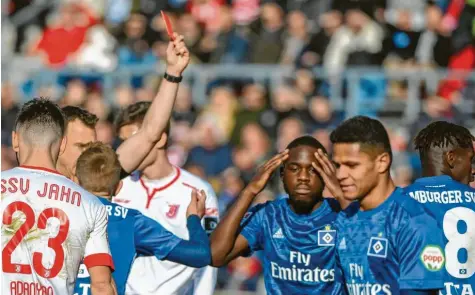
(432, 179)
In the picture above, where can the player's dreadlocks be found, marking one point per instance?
(442, 134)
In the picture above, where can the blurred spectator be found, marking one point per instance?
(229, 44)
(359, 42)
(288, 130)
(196, 170)
(314, 52)
(255, 140)
(75, 94)
(267, 35)
(105, 132)
(124, 96)
(320, 115)
(245, 11)
(10, 109)
(184, 110)
(222, 109)
(61, 40)
(287, 101)
(95, 104)
(199, 45)
(406, 20)
(134, 49)
(211, 153)
(434, 109)
(323, 136)
(117, 11)
(22, 30)
(231, 187)
(297, 36)
(206, 12)
(97, 51)
(243, 160)
(8, 158)
(253, 105)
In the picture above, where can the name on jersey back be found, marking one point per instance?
(51, 191)
(444, 197)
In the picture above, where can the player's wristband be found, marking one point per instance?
(172, 79)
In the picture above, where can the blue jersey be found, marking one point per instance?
(130, 234)
(452, 204)
(396, 246)
(298, 250)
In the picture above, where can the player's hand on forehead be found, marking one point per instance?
(327, 171)
(264, 172)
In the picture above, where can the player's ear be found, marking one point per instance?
(383, 162)
(162, 142)
(118, 188)
(449, 158)
(62, 146)
(15, 142)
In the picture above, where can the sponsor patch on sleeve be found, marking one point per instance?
(433, 258)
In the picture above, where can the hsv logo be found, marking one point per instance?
(433, 258)
(172, 210)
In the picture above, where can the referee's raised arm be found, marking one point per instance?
(134, 150)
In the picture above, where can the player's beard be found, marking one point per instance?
(303, 206)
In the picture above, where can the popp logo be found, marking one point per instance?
(433, 258)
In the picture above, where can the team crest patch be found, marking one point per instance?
(210, 223)
(433, 258)
(172, 210)
(378, 247)
(83, 273)
(326, 238)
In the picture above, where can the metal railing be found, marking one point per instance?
(354, 90)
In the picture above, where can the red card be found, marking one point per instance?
(168, 24)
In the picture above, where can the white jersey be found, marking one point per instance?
(49, 225)
(166, 200)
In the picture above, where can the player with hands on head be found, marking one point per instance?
(296, 233)
(446, 153)
(387, 243)
(49, 223)
(81, 124)
(132, 234)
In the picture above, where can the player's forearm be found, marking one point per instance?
(158, 116)
(103, 288)
(195, 231)
(225, 234)
(196, 251)
(134, 150)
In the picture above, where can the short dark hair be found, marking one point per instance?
(40, 121)
(98, 168)
(442, 134)
(76, 113)
(306, 140)
(366, 131)
(134, 113)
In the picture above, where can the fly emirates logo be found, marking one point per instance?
(300, 271)
(357, 287)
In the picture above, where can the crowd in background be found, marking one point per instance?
(244, 122)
